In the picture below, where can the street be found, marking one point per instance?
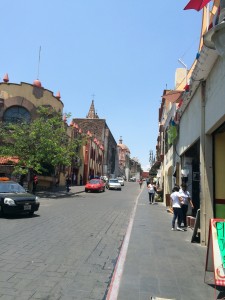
(68, 249)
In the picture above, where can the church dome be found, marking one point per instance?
(123, 146)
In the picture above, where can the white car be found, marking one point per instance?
(113, 184)
(121, 180)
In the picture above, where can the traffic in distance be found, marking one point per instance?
(14, 199)
(102, 183)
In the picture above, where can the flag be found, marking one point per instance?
(196, 4)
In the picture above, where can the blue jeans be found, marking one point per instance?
(151, 197)
(184, 209)
(177, 214)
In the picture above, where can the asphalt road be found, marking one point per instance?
(67, 250)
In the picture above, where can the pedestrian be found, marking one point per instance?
(185, 198)
(151, 192)
(35, 182)
(176, 206)
(74, 178)
(68, 183)
(81, 180)
(22, 178)
(140, 182)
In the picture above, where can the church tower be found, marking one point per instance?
(92, 114)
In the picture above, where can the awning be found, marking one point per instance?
(173, 96)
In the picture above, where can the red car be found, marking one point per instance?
(93, 185)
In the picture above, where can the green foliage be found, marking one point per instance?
(153, 171)
(43, 141)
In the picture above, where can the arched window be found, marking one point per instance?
(16, 114)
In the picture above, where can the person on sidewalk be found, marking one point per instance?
(140, 183)
(81, 180)
(185, 198)
(35, 182)
(68, 183)
(176, 206)
(151, 192)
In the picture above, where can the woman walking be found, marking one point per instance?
(151, 192)
(176, 205)
(185, 198)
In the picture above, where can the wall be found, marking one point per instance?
(215, 97)
(36, 96)
(190, 124)
(220, 175)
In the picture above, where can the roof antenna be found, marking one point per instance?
(39, 59)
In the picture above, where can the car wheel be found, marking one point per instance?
(86, 190)
(31, 213)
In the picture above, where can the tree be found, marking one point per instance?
(42, 142)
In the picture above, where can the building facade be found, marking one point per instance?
(192, 140)
(124, 159)
(19, 102)
(101, 132)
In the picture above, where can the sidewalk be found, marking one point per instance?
(59, 192)
(161, 263)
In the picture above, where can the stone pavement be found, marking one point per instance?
(160, 263)
(59, 192)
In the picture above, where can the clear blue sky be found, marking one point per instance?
(123, 51)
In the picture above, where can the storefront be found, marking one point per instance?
(219, 172)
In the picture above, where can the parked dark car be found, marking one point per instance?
(14, 199)
(95, 185)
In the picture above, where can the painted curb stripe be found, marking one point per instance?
(118, 272)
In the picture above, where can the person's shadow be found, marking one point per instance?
(221, 293)
(221, 290)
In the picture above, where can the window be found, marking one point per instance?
(16, 114)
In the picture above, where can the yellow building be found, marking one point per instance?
(19, 102)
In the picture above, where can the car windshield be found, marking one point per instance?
(11, 187)
(94, 181)
(114, 180)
